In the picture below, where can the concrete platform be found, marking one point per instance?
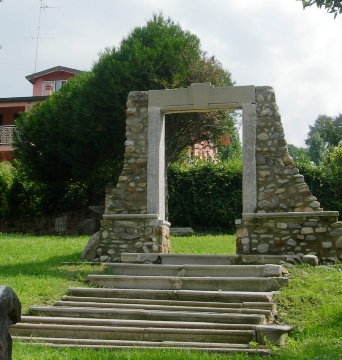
(126, 344)
(182, 259)
(140, 314)
(188, 283)
(187, 295)
(267, 270)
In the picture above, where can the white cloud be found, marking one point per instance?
(264, 42)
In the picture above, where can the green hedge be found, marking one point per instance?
(205, 195)
(209, 196)
(325, 185)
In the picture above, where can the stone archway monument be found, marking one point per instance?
(279, 213)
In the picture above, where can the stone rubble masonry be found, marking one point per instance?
(129, 233)
(280, 187)
(126, 227)
(129, 195)
(288, 218)
(314, 233)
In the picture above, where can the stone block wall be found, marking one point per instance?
(133, 234)
(318, 233)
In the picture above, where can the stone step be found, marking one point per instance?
(94, 304)
(126, 344)
(135, 323)
(141, 314)
(196, 270)
(188, 283)
(133, 333)
(181, 259)
(194, 304)
(178, 295)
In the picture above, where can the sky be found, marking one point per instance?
(261, 42)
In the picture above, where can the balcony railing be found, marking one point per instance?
(6, 134)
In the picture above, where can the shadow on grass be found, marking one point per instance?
(51, 267)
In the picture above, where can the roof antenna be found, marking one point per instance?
(0, 45)
(41, 7)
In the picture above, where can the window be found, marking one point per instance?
(59, 84)
(1, 119)
(50, 87)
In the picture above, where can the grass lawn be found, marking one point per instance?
(312, 302)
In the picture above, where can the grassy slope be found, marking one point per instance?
(312, 302)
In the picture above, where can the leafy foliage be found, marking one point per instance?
(296, 152)
(22, 196)
(324, 180)
(329, 129)
(206, 195)
(326, 132)
(332, 6)
(6, 181)
(79, 131)
(161, 55)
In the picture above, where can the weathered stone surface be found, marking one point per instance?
(310, 260)
(89, 252)
(264, 204)
(327, 244)
(263, 248)
(245, 241)
(10, 313)
(291, 243)
(307, 230)
(273, 185)
(242, 232)
(336, 232)
(186, 231)
(338, 243)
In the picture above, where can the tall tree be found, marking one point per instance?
(161, 55)
(329, 129)
(326, 132)
(316, 148)
(75, 134)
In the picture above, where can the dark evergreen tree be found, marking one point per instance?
(79, 132)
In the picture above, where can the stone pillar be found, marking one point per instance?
(156, 163)
(134, 213)
(249, 186)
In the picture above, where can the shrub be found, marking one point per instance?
(205, 195)
(324, 183)
(6, 181)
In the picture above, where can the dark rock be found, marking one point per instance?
(181, 231)
(89, 253)
(10, 313)
(329, 260)
(310, 260)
